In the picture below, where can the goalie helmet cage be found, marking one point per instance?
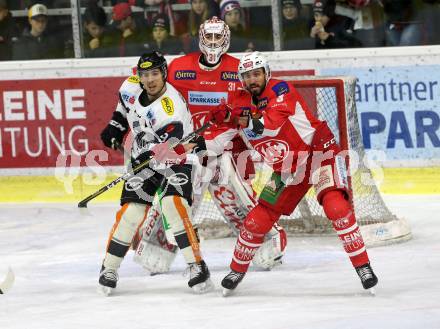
(334, 101)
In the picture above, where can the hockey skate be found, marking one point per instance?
(107, 280)
(199, 278)
(231, 281)
(367, 276)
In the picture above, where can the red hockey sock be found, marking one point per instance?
(245, 249)
(339, 211)
(257, 223)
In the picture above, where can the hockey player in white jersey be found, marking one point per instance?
(157, 116)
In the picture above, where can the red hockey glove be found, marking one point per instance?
(220, 113)
(164, 153)
(224, 114)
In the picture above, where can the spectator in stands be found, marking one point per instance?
(161, 38)
(295, 27)
(260, 23)
(331, 30)
(369, 21)
(97, 39)
(8, 32)
(200, 11)
(430, 16)
(231, 13)
(401, 28)
(130, 37)
(36, 43)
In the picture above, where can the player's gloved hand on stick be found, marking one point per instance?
(165, 153)
(113, 135)
(224, 114)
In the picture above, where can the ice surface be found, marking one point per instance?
(56, 255)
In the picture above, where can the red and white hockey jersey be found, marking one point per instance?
(203, 88)
(289, 126)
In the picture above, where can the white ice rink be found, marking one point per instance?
(56, 255)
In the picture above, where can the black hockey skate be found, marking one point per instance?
(367, 276)
(199, 277)
(107, 280)
(231, 281)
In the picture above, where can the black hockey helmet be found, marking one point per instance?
(152, 60)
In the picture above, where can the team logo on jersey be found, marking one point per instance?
(133, 79)
(167, 105)
(281, 88)
(204, 98)
(229, 76)
(262, 103)
(185, 75)
(178, 179)
(273, 150)
(145, 65)
(126, 97)
(199, 119)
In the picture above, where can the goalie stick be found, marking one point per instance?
(7, 282)
(137, 169)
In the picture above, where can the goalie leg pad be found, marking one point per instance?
(128, 219)
(177, 213)
(153, 251)
(154, 258)
(339, 211)
(272, 250)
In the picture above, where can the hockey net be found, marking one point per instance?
(334, 101)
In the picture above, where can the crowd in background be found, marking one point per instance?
(127, 32)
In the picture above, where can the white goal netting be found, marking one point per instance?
(333, 100)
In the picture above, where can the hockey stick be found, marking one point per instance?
(7, 282)
(138, 168)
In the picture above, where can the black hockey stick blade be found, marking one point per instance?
(7, 282)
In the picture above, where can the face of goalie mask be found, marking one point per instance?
(214, 39)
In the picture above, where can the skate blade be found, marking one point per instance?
(203, 287)
(227, 292)
(105, 291)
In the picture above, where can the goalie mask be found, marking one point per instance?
(214, 39)
(253, 61)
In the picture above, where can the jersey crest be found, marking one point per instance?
(273, 150)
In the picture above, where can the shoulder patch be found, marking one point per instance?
(167, 105)
(281, 88)
(133, 79)
(185, 75)
(229, 76)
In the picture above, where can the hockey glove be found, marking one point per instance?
(164, 153)
(113, 135)
(225, 115)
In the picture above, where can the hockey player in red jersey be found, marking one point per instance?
(302, 152)
(205, 78)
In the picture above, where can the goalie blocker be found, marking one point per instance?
(155, 243)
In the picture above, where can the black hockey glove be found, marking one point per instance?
(200, 144)
(144, 156)
(114, 133)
